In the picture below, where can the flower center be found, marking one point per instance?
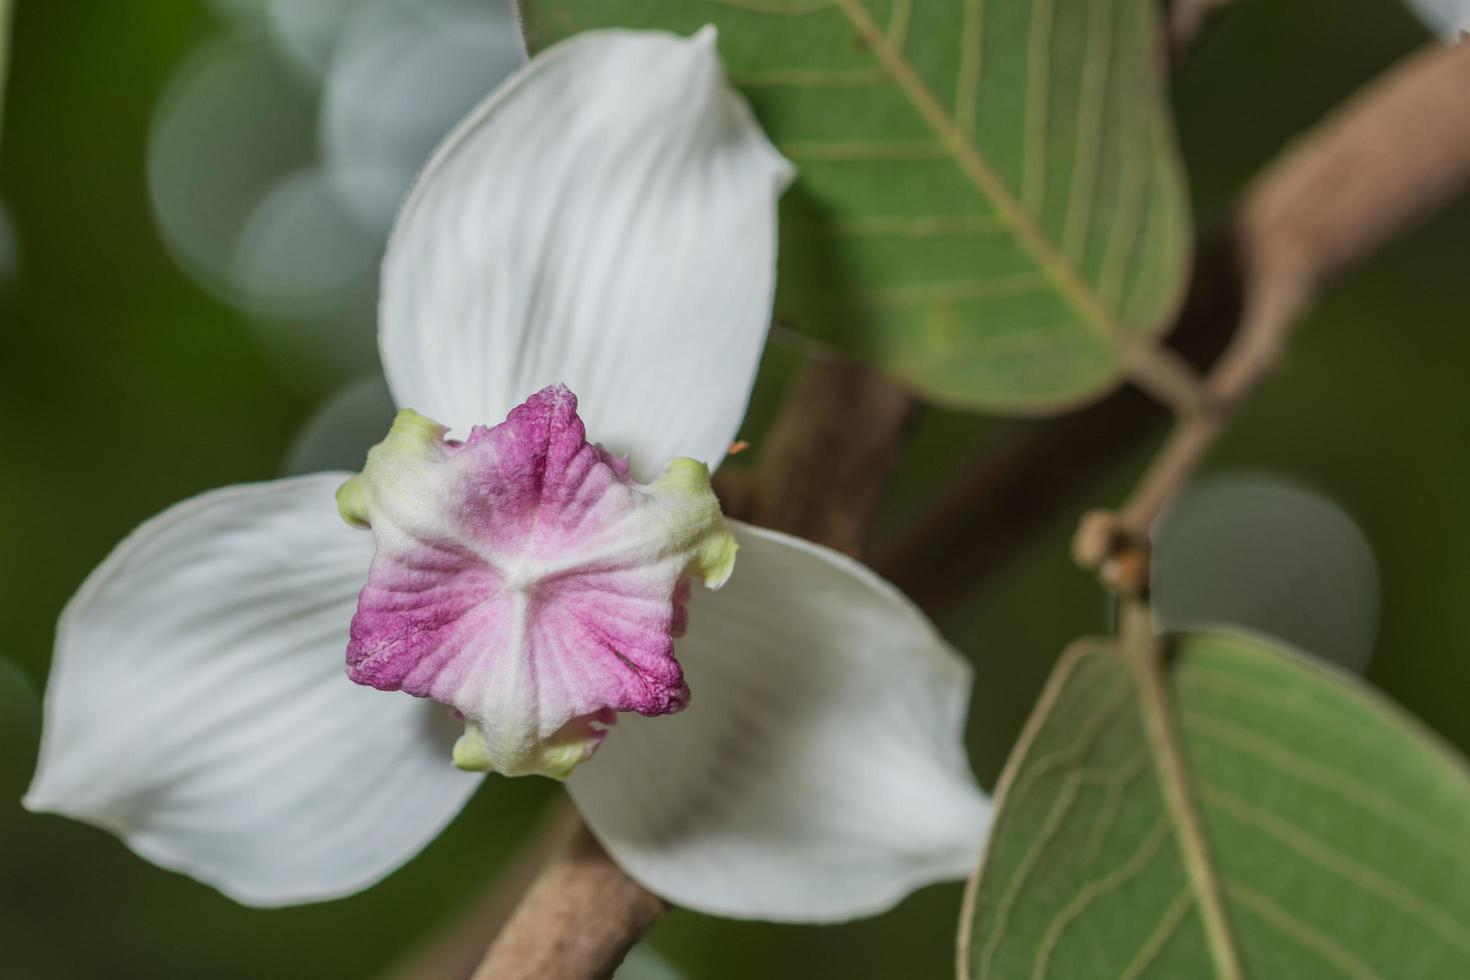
(524, 579)
(521, 579)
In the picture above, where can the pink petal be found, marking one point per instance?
(525, 580)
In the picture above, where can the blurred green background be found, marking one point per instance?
(126, 386)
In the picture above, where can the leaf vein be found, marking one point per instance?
(967, 83)
(1344, 785)
(1154, 943)
(1092, 98)
(1130, 869)
(1301, 933)
(1112, 802)
(1319, 852)
(1034, 120)
(1090, 310)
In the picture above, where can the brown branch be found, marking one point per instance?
(579, 919)
(456, 951)
(1394, 153)
(821, 473)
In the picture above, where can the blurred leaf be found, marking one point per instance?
(989, 204)
(1334, 828)
(1258, 553)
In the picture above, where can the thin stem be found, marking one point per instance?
(1394, 153)
(578, 920)
(1166, 376)
(1186, 446)
(456, 951)
(1027, 475)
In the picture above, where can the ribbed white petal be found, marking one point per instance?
(198, 706)
(818, 773)
(606, 220)
(1447, 18)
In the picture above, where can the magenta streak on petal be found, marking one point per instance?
(522, 579)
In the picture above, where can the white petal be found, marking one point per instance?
(1447, 18)
(198, 709)
(606, 220)
(819, 772)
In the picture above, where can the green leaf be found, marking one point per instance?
(1304, 828)
(989, 205)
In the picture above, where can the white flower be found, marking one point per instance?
(607, 221)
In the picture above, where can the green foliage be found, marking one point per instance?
(989, 202)
(1334, 828)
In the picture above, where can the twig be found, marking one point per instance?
(1390, 156)
(1035, 468)
(1312, 215)
(578, 920)
(1168, 378)
(455, 952)
(821, 473)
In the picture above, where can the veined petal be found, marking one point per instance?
(197, 707)
(524, 579)
(819, 773)
(606, 220)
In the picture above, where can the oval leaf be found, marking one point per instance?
(1332, 827)
(989, 203)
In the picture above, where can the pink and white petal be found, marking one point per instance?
(197, 706)
(606, 220)
(523, 579)
(818, 773)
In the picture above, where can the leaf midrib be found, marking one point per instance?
(1142, 649)
(1089, 307)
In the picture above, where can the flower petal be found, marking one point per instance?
(523, 579)
(606, 220)
(818, 773)
(197, 706)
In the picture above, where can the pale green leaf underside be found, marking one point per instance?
(1337, 830)
(989, 202)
